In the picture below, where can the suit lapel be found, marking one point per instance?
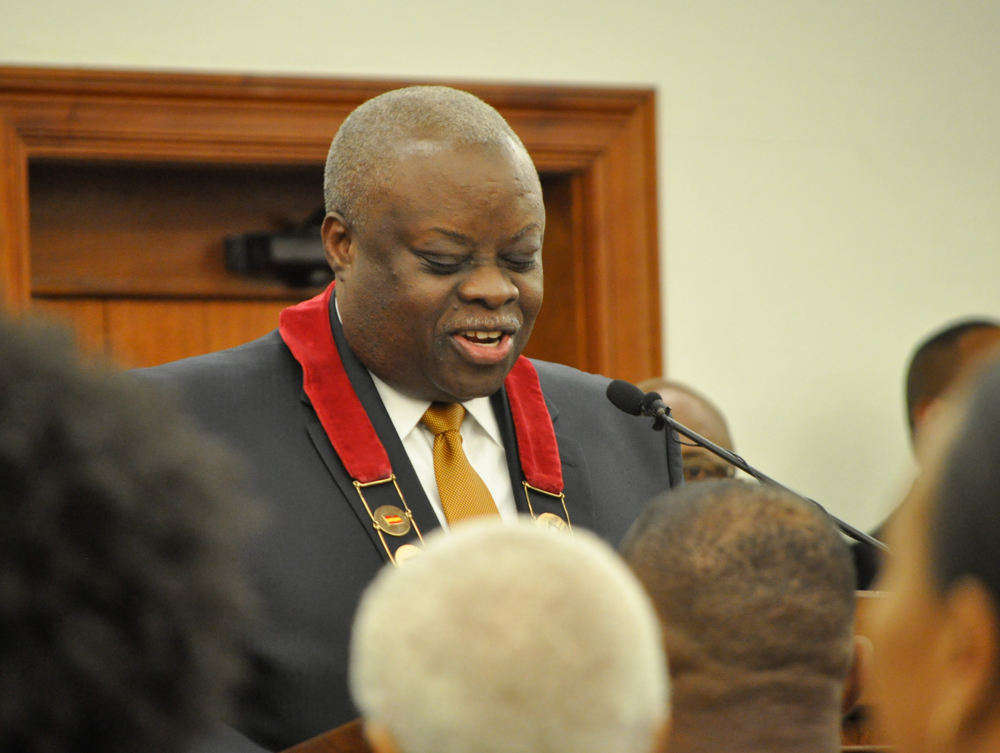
(501, 409)
(322, 443)
(406, 477)
(576, 479)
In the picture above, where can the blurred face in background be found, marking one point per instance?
(906, 629)
(935, 648)
(702, 418)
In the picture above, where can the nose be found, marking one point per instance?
(488, 285)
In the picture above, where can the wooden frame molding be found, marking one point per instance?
(603, 138)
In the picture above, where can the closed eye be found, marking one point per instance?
(521, 262)
(440, 264)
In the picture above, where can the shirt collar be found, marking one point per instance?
(406, 412)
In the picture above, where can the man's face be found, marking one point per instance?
(905, 631)
(910, 625)
(440, 287)
(699, 463)
(702, 465)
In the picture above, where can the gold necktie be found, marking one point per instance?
(463, 491)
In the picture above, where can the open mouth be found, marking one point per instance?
(483, 347)
(483, 338)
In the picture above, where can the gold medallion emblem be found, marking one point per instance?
(551, 520)
(391, 520)
(406, 552)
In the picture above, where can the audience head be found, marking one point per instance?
(509, 639)
(755, 589)
(937, 635)
(119, 593)
(700, 415)
(434, 230)
(943, 360)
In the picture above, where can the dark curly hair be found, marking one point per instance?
(751, 582)
(121, 596)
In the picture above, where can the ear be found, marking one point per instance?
(857, 676)
(338, 244)
(968, 653)
(379, 738)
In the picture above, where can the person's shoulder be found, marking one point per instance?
(560, 381)
(581, 397)
(268, 353)
(626, 462)
(584, 411)
(246, 378)
(244, 395)
(566, 387)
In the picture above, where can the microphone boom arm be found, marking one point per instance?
(662, 417)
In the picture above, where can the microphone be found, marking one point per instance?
(625, 396)
(630, 399)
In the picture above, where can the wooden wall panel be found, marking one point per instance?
(560, 332)
(232, 323)
(599, 142)
(136, 333)
(86, 317)
(148, 333)
(15, 262)
(151, 230)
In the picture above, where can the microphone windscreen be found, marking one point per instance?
(626, 397)
(651, 401)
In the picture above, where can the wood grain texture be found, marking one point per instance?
(601, 140)
(158, 230)
(149, 333)
(152, 332)
(560, 331)
(347, 738)
(85, 316)
(15, 265)
(232, 323)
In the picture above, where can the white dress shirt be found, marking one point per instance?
(481, 441)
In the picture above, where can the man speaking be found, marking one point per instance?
(398, 401)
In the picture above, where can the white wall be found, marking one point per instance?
(829, 172)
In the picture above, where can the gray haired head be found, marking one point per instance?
(362, 152)
(510, 639)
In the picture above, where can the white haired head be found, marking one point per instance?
(510, 639)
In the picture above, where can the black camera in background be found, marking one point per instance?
(296, 257)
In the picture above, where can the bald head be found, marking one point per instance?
(401, 121)
(699, 414)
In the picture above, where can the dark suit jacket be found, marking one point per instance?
(318, 554)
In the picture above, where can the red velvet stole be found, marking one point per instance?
(305, 328)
